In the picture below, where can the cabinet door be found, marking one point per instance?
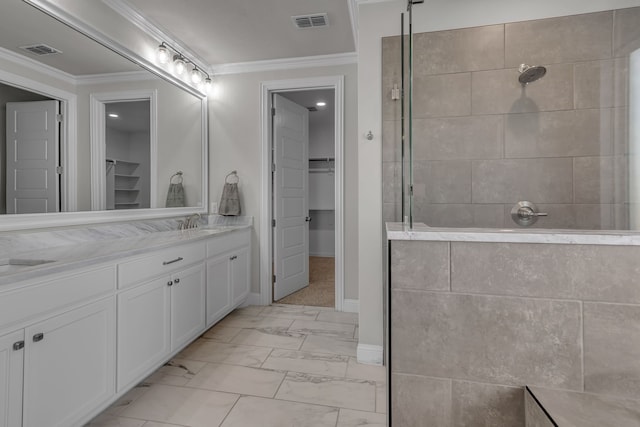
(143, 330)
(218, 288)
(69, 365)
(11, 370)
(187, 305)
(240, 275)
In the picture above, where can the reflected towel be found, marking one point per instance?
(175, 196)
(230, 200)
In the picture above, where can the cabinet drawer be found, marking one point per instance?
(228, 242)
(159, 263)
(46, 297)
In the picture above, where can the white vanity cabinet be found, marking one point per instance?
(11, 373)
(69, 366)
(160, 316)
(228, 273)
(58, 365)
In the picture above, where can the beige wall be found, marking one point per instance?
(235, 144)
(382, 19)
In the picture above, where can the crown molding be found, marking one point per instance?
(287, 63)
(125, 76)
(133, 15)
(37, 66)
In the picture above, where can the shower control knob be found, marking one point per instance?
(526, 213)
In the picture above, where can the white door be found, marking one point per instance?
(290, 197)
(33, 154)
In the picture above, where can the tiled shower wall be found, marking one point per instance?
(473, 323)
(482, 141)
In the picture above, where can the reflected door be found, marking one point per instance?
(33, 153)
(291, 197)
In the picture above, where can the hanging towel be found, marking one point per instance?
(175, 196)
(230, 200)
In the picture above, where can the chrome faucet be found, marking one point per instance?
(190, 222)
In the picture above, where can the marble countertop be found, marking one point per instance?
(83, 254)
(420, 231)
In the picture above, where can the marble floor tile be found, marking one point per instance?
(108, 420)
(221, 333)
(351, 418)
(127, 399)
(327, 329)
(332, 365)
(291, 312)
(338, 317)
(330, 391)
(278, 337)
(239, 321)
(360, 371)
(250, 310)
(233, 354)
(381, 397)
(253, 411)
(176, 372)
(180, 405)
(155, 424)
(321, 344)
(238, 379)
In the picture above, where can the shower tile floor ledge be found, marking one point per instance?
(281, 365)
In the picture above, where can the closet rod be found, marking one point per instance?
(321, 159)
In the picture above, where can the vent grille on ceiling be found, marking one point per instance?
(41, 49)
(312, 109)
(311, 21)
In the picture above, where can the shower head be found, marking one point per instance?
(531, 73)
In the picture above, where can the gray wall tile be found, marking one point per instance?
(391, 182)
(480, 405)
(565, 39)
(420, 401)
(502, 340)
(612, 349)
(473, 137)
(453, 51)
(621, 81)
(534, 414)
(559, 134)
(391, 212)
(442, 182)
(621, 130)
(547, 270)
(391, 140)
(420, 265)
(626, 37)
(442, 95)
(499, 91)
(594, 83)
(593, 179)
(537, 180)
(459, 215)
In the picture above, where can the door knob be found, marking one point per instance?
(526, 213)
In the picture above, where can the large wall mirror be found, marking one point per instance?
(83, 128)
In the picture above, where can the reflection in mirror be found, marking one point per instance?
(42, 59)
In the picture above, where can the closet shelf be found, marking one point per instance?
(321, 170)
(322, 159)
(127, 189)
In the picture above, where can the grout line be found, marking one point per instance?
(232, 407)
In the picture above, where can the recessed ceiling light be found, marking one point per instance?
(321, 103)
(113, 115)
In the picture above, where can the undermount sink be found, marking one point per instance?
(16, 264)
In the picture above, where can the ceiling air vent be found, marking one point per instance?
(41, 49)
(311, 21)
(312, 109)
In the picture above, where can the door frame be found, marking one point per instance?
(266, 205)
(68, 134)
(98, 127)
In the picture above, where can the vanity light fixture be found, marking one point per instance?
(198, 76)
(163, 53)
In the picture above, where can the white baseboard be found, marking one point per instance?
(252, 299)
(351, 305)
(370, 354)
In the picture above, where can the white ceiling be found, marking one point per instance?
(232, 31)
(22, 24)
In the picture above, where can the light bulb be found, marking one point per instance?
(207, 85)
(196, 77)
(163, 54)
(178, 65)
(321, 103)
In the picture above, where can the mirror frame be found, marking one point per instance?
(61, 219)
